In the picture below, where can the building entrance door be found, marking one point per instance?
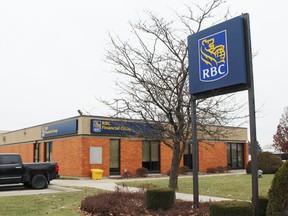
(114, 157)
(151, 156)
(235, 155)
(188, 157)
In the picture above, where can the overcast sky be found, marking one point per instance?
(51, 57)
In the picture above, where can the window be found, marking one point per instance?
(48, 151)
(36, 152)
(235, 155)
(151, 155)
(9, 159)
(95, 155)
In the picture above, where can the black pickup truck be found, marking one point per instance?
(35, 175)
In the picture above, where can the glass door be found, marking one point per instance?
(151, 156)
(187, 157)
(114, 157)
(36, 152)
(235, 155)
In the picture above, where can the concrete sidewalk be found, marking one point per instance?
(110, 185)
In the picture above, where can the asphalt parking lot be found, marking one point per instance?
(20, 190)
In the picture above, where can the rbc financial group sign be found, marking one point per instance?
(217, 59)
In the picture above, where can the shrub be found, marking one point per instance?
(267, 162)
(142, 172)
(168, 172)
(248, 167)
(133, 203)
(231, 208)
(211, 170)
(218, 169)
(112, 203)
(228, 168)
(263, 203)
(278, 193)
(127, 174)
(184, 170)
(159, 198)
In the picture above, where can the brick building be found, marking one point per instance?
(82, 143)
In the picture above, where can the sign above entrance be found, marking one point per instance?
(59, 129)
(217, 59)
(123, 128)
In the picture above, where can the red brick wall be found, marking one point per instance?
(211, 155)
(73, 154)
(68, 154)
(165, 157)
(95, 142)
(41, 146)
(131, 155)
(26, 151)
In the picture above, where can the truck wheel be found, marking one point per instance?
(39, 182)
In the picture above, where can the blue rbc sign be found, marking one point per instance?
(217, 59)
(59, 129)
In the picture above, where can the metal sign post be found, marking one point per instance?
(195, 153)
(252, 117)
(220, 62)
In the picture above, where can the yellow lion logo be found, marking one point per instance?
(211, 54)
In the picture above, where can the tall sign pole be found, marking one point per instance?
(194, 153)
(220, 62)
(252, 117)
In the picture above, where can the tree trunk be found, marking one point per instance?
(173, 180)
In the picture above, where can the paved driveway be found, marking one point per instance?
(19, 190)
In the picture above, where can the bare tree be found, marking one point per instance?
(280, 138)
(154, 67)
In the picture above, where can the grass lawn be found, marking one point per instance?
(228, 186)
(60, 204)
